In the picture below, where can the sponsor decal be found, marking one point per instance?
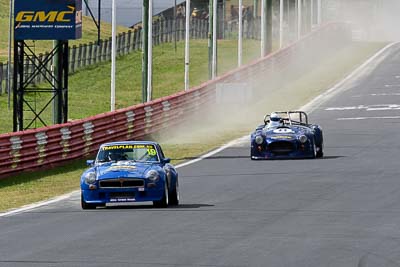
(151, 150)
(122, 199)
(115, 147)
(48, 19)
(287, 137)
(283, 131)
(121, 167)
(43, 16)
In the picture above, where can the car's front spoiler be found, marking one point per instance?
(102, 196)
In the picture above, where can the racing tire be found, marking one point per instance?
(174, 194)
(320, 151)
(164, 202)
(314, 150)
(87, 206)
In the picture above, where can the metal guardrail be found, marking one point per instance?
(56, 145)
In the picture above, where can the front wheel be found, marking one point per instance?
(320, 151)
(164, 202)
(85, 205)
(174, 194)
(314, 150)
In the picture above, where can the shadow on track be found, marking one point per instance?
(150, 207)
(248, 157)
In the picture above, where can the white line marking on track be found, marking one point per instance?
(309, 107)
(37, 205)
(344, 84)
(383, 94)
(392, 85)
(378, 107)
(232, 143)
(368, 118)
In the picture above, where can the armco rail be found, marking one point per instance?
(57, 144)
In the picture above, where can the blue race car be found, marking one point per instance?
(287, 135)
(129, 171)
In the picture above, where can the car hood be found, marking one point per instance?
(122, 169)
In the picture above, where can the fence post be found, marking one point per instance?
(1, 78)
(108, 50)
(181, 33)
(129, 42)
(73, 58)
(90, 53)
(69, 59)
(104, 54)
(169, 30)
(162, 39)
(100, 51)
(84, 55)
(45, 65)
(123, 45)
(40, 74)
(11, 82)
(94, 53)
(32, 69)
(79, 56)
(138, 43)
(159, 36)
(119, 44)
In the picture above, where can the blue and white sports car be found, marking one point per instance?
(129, 171)
(287, 135)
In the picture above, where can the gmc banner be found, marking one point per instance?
(47, 19)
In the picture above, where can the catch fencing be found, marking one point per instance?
(56, 145)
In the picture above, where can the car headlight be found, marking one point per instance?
(90, 178)
(153, 176)
(259, 139)
(303, 138)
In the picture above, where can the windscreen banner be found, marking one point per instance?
(47, 19)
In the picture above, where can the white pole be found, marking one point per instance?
(312, 14)
(299, 19)
(240, 37)
(263, 6)
(150, 52)
(281, 24)
(9, 55)
(187, 47)
(319, 21)
(113, 54)
(214, 53)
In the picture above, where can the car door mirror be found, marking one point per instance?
(90, 162)
(166, 160)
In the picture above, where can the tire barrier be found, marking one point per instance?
(57, 144)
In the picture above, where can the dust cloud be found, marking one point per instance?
(238, 113)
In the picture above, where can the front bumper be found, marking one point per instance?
(297, 151)
(121, 195)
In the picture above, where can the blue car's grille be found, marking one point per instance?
(121, 183)
(281, 147)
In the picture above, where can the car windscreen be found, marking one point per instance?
(135, 152)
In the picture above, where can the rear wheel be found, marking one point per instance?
(85, 205)
(164, 202)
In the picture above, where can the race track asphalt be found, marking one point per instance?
(342, 210)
